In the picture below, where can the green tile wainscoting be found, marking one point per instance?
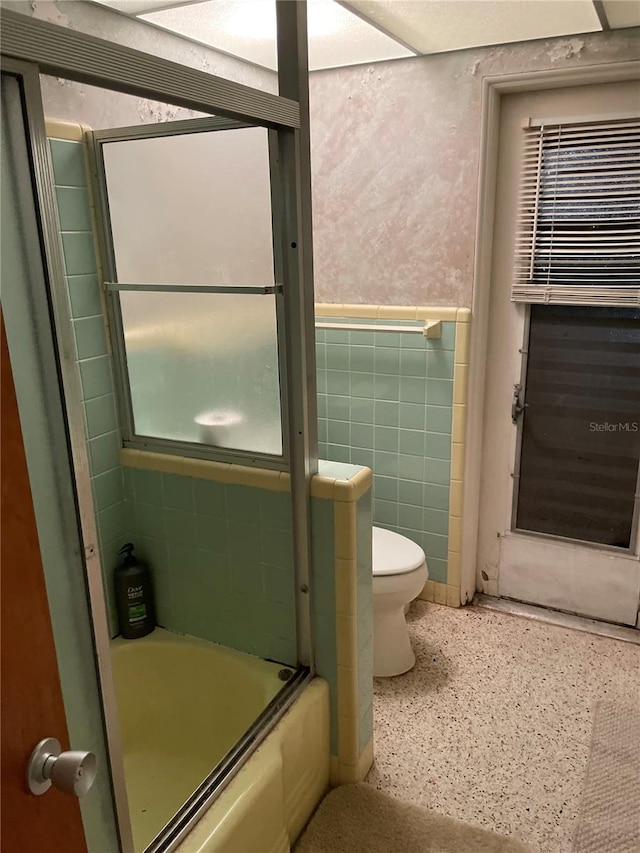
(397, 402)
(385, 400)
(221, 557)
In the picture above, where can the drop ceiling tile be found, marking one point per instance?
(135, 7)
(247, 28)
(338, 37)
(433, 26)
(622, 13)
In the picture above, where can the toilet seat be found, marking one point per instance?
(394, 554)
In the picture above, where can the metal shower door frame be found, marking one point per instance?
(43, 48)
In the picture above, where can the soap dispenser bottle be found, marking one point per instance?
(134, 596)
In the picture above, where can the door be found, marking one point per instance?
(32, 706)
(558, 520)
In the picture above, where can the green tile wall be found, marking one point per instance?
(385, 400)
(324, 604)
(221, 558)
(103, 436)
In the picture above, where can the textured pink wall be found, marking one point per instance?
(395, 150)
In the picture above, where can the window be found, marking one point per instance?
(196, 303)
(578, 240)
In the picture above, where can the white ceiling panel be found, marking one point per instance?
(433, 26)
(622, 13)
(135, 7)
(247, 28)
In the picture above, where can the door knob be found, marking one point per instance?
(72, 772)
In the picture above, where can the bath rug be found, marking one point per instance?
(609, 817)
(360, 819)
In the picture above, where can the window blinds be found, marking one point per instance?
(578, 240)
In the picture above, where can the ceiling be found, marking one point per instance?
(350, 32)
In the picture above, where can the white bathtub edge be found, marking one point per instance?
(265, 807)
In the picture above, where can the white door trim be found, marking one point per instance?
(493, 88)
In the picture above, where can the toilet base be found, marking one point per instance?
(392, 652)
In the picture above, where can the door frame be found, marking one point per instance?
(493, 89)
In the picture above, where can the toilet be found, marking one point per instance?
(399, 574)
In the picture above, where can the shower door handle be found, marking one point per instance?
(72, 772)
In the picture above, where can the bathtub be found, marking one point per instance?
(269, 801)
(183, 703)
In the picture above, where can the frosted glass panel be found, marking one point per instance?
(192, 209)
(204, 368)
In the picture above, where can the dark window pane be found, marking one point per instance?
(581, 430)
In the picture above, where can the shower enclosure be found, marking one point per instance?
(204, 233)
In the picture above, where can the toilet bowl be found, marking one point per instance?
(399, 574)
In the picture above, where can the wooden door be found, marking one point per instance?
(31, 702)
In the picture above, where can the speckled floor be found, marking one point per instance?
(493, 724)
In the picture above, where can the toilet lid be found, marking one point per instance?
(394, 554)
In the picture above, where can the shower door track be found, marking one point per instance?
(117, 286)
